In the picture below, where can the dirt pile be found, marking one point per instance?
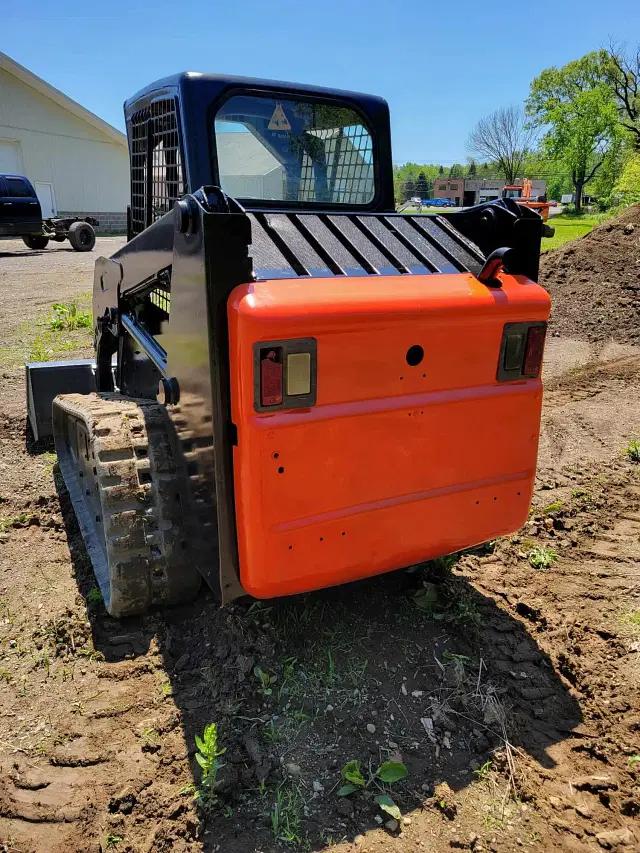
(595, 282)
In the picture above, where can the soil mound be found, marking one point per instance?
(595, 282)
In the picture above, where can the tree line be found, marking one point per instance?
(579, 129)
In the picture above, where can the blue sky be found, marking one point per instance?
(441, 65)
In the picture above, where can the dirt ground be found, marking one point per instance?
(595, 281)
(506, 680)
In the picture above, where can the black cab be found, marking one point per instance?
(19, 207)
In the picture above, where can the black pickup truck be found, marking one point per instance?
(21, 216)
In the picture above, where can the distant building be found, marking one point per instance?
(77, 162)
(469, 191)
(451, 188)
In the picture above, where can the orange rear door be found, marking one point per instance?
(376, 424)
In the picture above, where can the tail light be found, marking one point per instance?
(521, 351)
(284, 374)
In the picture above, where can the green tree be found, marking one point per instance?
(422, 186)
(456, 171)
(441, 171)
(473, 169)
(575, 108)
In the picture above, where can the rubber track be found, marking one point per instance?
(126, 488)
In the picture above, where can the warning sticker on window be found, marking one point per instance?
(279, 121)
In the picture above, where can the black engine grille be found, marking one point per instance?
(286, 245)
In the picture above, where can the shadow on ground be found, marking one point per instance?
(300, 686)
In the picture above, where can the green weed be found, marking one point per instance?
(20, 520)
(388, 773)
(68, 317)
(112, 841)
(633, 450)
(554, 507)
(632, 619)
(207, 757)
(271, 732)
(265, 680)
(541, 557)
(482, 773)
(633, 760)
(94, 596)
(286, 820)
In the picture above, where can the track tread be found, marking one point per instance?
(134, 527)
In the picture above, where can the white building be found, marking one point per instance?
(77, 162)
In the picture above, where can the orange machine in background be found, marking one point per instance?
(380, 425)
(522, 195)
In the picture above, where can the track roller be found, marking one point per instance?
(127, 485)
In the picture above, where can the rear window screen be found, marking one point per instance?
(17, 188)
(279, 149)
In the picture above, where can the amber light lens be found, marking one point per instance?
(534, 350)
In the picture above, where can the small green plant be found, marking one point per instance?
(554, 507)
(632, 618)
(541, 557)
(265, 680)
(633, 450)
(91, 654)
(68, 317)
(112, 841)
(388, 773)
(633, 760)
(94, 596)
(482, 773)
(286, 815)
(207, 757)
(271, 732)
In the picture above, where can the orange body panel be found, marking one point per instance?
(394, 464)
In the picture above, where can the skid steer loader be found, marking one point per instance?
(293, 385)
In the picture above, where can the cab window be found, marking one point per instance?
(17, 188)
(291, 150)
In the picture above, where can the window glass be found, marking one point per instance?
(279, 149)
(17, 188)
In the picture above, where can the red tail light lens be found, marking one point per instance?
(534, 350)
(521, 351)
(271, 378)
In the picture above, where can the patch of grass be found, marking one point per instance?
(271, 732)
(94, 596)
(208, 756)
(20, 520)
(67, 317)
(568, 228)
(541, 557)
(112, 840)
(446, 597)
(633, 450)
(286, 815)
(49, 460)
(554, 507)
(46, 346)
(632, 619)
